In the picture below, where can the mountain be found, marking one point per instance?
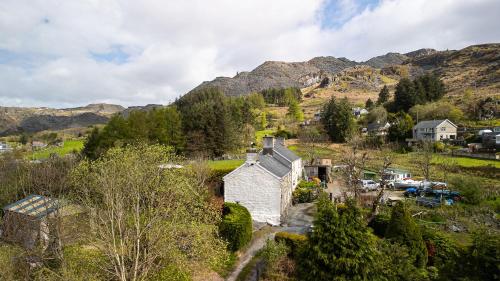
(31, 119)
(469, 67)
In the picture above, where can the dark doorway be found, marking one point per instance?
(322, 174)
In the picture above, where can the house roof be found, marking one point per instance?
(274, 166)
(431, 123)
(34, 205)
(285, 152)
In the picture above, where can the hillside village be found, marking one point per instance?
(386, 169)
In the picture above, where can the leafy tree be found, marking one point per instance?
(377, 114)
(423, 89)
(91, 145)
(401, 127)
(337, 119)
(483, 257)
(369, 104)
(403, 230)
(295, 112)
(340, 247)
(432, 89)
(144, 218)
(436, 110)
(383, 95)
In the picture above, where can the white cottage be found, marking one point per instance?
(265, 182)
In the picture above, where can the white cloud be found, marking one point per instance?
(46, 46)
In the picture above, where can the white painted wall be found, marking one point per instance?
(257, 190)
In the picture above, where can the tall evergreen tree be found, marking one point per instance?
(340, 248)
(406, 95)
(369, 104)
(337, 119)
(403, 230)
(383, 96)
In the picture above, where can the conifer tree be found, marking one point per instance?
(402, 229)
(337, 119)
(340, 247)
(383, 96)
(369, 104)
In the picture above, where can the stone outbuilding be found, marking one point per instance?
(265, 182)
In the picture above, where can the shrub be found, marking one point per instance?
(294, 241)
(305, 192)
(439, 146)
(236, 226)
(379, 224)
(470, 189)
(285, 134)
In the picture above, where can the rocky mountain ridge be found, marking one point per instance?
(481, 60)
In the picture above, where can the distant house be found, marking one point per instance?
(265, 182)
(4, 147)
(35, 220)
(358, 111)
(435, 130)
(392, 174)
(378, 128)
(38, 144)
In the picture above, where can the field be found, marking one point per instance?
(68, 147)
(465, 162)
(218, 165)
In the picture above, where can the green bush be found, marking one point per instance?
(470, 189)
(379, 224)
(293, 241)
(285, 134)
(439, 146)
(306, 192)
(236, 226)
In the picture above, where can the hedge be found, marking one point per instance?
(379, 224)
(294, 241)
(236, 226)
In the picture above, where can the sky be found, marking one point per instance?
(59, 53)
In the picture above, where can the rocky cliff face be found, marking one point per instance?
(369, 74)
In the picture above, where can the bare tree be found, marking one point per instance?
(383, 185)
(144, 217)
(424, 158)
(354, 165)
(312, 138)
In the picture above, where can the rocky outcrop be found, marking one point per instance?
(342, 71)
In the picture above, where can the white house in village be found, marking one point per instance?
(435, 130)
(265, 182)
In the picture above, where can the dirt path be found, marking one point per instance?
(256, 244)
(300, 217)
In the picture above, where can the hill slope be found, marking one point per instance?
(30, 119)
(476, 66)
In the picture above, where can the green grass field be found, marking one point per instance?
(225, 164)
(465, 161)
(68, 147)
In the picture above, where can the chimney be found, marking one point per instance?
(252, 156)
(280, 141)
(268, 145)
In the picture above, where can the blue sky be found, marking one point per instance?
(71, 53)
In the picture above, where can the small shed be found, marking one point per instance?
(320, 168)
(36, 220)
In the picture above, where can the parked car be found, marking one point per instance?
(369, 185)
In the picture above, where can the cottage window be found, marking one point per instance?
(443, 129)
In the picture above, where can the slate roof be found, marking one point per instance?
(34, 205)
(287, 153)
(431, 123)
(274, 166)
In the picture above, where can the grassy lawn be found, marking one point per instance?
(68, 147)
(466, 162)
(260, 134)
(225, 164)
